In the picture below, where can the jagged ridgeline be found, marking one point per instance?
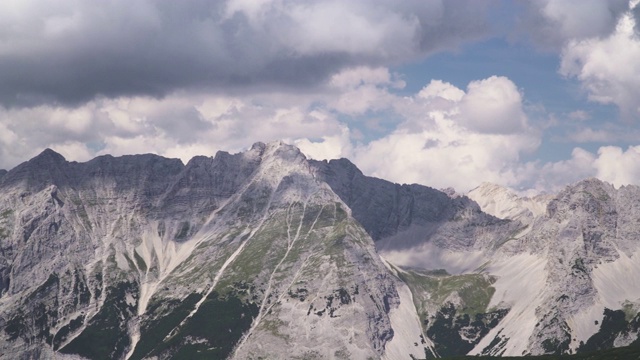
(266, 254)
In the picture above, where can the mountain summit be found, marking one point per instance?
(265, 253)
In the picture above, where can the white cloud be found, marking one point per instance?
(618, 167)
(445, 136)
(553, 176)
(608, 67)
(329, 147)
(611, 164)
(362, 89)
(182, 125)
(448, 156)
(432, 143)
(450, 138)
(440, 89)
(493, 106)
(74, 150)
(352, 27)
(230, 124)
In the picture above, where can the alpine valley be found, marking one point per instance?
(266, 254)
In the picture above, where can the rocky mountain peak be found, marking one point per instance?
(286, 246)
(258, 146)
(591, 184)
(590, 196)
(48, 167)
(278, 161)
(284, 151)
(504, 203)
(48, 155)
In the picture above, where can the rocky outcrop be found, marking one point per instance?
(407, 216)
(231, 256)
(265, 253)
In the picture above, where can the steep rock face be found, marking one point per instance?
(554, 271)
(65, 226)
(236, 256)
(419, 227)
(206, 182)
(586, 248)
(265, 253)
(382, 207)
(38, 171)
(407, 216)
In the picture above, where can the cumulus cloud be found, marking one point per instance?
(610, 163)
(493, 106)
(553, 176)
(450, 138)
(328, 147)
(433, 142)
(552, 23)
(618, 167)
(71, 52)
(607, 67)
(438, 89)
(363, 89)
(445, 158)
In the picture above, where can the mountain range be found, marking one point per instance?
(268, 254)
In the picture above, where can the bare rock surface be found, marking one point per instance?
(265, 253)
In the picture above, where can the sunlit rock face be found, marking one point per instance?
(265, 253)
(232, 256)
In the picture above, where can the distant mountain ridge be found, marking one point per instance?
(505, 204)
(267, 253)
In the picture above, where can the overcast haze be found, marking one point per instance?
(531, 95)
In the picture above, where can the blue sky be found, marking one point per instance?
(532, 95)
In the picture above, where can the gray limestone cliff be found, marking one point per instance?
(231, 256)
(267, 253)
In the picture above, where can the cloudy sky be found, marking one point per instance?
(448, 93)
